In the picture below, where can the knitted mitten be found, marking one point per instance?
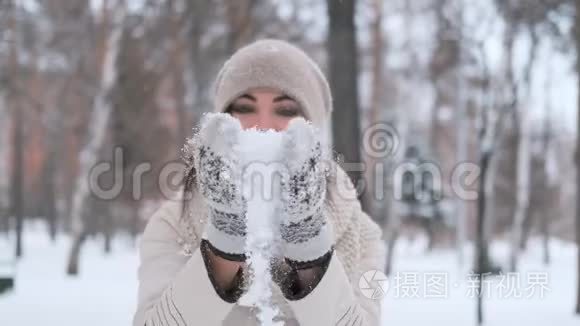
(306, 234)
(219, 184)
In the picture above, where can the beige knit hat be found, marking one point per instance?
(280, 65)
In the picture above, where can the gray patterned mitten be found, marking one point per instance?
(306, 234)
(220, 184)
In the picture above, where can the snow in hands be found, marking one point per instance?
(259, 153)
(267, 189)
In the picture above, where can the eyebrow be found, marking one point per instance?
(282, 98)
(249, 97)
(277, 99)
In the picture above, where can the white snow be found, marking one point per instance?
(105, 293)
(259, 153)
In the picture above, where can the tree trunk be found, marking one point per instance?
(75, 253)
(577, 38)
(391, 241)
(17, 138)
(196, 74)
(180, 68)
(54, 126)
(343, 74)
(375, 115)
(18, 176)
(522, 189)
(107, 231)
(133, 210)
(96, 135)
(548, 181)
(50, 193)
(482, 261)
(4, 155)
(526, 230)
(462, 124)
(241, 29)
(545, 230)
(490, 195)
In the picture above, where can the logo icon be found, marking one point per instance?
(373, 284)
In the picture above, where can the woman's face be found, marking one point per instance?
(265, 109)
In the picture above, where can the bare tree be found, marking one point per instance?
(343, 72)
(522, 123)
(4, 176)
(96, 134)
(376, 104)
(136, 129)
(205, 52)
(442, 68)
(239, 23)
(4, 117)
(492, 119)
(59, 15)
(18, 175)
(17, 201)
(546, 186)
(462, 124)
(577, 40)
(522, 188)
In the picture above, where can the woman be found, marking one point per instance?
(193, 269)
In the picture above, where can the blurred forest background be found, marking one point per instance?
(489, 82)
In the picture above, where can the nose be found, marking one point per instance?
(265, 121)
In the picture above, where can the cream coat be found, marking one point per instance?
(174, 288)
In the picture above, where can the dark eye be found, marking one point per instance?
(288, 111)
(241, 108)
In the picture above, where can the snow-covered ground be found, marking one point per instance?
(105, 293)
(547, 294)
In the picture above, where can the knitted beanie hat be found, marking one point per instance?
(279, 65)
